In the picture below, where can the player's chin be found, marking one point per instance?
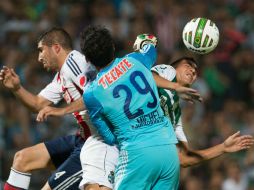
(46, 67)
(188, 82)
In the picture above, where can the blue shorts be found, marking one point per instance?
(156, 168)
(65, 155)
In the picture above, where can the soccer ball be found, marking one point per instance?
(200, 35)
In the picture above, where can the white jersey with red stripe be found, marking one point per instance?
(68, 84)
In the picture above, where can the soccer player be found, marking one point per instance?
(72, 74)
(123, 102)
(184, 72)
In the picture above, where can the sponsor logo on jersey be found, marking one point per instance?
(82, 81)
(115, 73)
(148, 119)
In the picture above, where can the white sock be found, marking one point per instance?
(19, 179)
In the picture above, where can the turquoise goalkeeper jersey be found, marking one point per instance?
(124, 106)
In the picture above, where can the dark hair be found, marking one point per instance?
(56, 35)
(97, 45)
(189, 60)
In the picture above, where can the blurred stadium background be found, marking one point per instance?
(226, 76)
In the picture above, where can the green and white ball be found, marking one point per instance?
(201, 35)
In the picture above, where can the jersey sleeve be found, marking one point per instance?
(147, 55)
(166, 71)
(78, 70)
(96, 116)
(179, 131)
(52, 91)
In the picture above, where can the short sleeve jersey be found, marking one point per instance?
(68, 84)
(124, 100)
(170, 100)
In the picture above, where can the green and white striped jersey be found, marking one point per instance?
(170, 100)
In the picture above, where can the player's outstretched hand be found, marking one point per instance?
(237, 142)
(49, 111)
(188, 94)
(144, 39)
(9, 78)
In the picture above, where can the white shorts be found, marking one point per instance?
(98, 161)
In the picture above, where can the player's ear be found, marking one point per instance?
(56, 48)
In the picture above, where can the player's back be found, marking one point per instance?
(131, 102)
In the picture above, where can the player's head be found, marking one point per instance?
(97, 45)
(186, 70)
(51, 45)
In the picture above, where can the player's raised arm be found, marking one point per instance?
(11, 81)
(188, 94)
(233, 143)
(146, 52)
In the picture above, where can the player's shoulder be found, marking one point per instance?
(166, 71)
(162, 68)
(76, 55)
(75, 63)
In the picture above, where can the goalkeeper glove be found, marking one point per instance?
(144, 39)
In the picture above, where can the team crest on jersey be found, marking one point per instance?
(111, 177)
(82, 81)
(115, 73)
